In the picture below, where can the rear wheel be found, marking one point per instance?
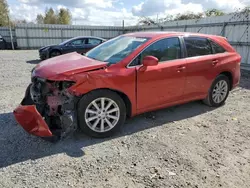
(101, 113)
(55, 53)
(218, 92)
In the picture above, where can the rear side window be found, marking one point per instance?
(197, 46)
(217, 48)
(93, 41)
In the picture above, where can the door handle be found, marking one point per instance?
(180, 69)
(214, 62)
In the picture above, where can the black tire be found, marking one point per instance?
(87, 99)
(53, 52)
(209, 99)
(2, 45)
(42, 58)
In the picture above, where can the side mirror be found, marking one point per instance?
(150, 61)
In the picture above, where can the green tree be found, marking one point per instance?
(188, 16)
(246, 10)
(4, 12)
(39, 19)
(50, 17)
(214, 12)
(168, 18)
(146, 21)
(64, 16)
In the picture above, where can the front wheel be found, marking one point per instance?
(54, 53)
(218, 92)
(101, 113)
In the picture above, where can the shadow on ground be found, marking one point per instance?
(245, 79)
(17, 146)
(36, 61)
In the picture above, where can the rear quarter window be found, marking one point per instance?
(217, 48)
(197, 46)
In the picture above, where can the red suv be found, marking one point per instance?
(128, 75)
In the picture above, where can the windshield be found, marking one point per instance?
(116, 49)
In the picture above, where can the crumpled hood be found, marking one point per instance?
(66, 65)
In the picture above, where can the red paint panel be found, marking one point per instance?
(160, 84)
(30, 119)
(61, 67)
(115, 77)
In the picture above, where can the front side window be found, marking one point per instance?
(115, 50)
(197, 46)
(78, 42)
(165, 50)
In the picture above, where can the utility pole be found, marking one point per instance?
(11, 37)
(123, 27)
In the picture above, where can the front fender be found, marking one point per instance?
(117, 80)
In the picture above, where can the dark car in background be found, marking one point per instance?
(80, 45)
(2, 43)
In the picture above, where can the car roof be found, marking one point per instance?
(156, 34)
(80, 37)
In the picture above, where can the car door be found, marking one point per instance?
(201, 66)
(164, 83)
(76, 45)
(91, 43)
(80, 46)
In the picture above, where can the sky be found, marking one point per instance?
(112, 12)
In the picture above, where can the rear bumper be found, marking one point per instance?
(31, 121)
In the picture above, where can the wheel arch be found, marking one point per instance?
(55, 49)
(230, 77)
(124, 97)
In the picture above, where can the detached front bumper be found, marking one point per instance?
(52, 118)
(31, 120)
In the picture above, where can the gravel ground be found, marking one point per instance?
(190, 145)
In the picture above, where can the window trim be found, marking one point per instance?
(195, 36)
(181, 46)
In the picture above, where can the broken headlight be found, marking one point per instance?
(64, 84)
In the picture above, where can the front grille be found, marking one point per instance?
(38, 90)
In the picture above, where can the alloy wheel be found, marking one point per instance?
(220, 91)
(102, 114)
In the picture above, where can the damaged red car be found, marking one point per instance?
(128, 75)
